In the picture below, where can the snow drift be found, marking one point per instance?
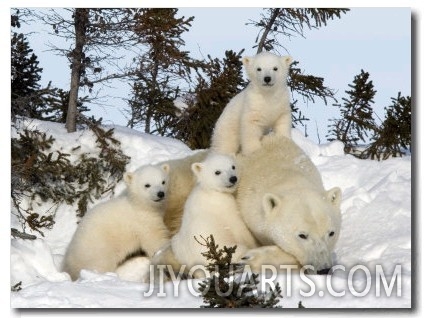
(373, 254)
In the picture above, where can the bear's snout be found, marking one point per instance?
(267, 79)
(160, 194)
(233, 179)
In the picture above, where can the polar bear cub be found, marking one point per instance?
(261, 107)
(211, 209)
(128, 224)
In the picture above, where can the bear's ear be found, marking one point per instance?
(287, 60)
(246, 60)
(128, 176)
(196, 168)
(269, 202)
(334, 196)
(165, 167)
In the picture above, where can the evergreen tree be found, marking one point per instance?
(41, 173)
(160, 70)
(288, 22)
(28, 98)
(221, 81)
(393, 137)
(356, 114)
(57, 105)
(275, 26)
(227, 289)
(100, 35)
(26, 94)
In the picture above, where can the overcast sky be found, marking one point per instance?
(377, 40)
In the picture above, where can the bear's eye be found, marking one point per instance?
(233, 167)
(163, 182)
(148, 185)
(217, 172)
(303, 236)
(275, 69)
(332, 233)
(259, 69)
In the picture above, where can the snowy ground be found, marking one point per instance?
(374, 249)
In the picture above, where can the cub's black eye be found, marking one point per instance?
(275, 69)
(233, 167)
(217, 172)
(148, 185)
(303, 236)
(259, 69)
(332, 234)
(163, 182)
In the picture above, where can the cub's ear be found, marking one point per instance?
(165, 167)
(287, 60)
(247, 60)
(334, 196)
(269, 202)
(128, 176)
(196, 168)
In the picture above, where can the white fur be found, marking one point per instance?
(282, 200)
(211, 209)
(123, 225)
(262, 106)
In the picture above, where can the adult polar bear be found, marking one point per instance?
(283, 202)
(262, 106)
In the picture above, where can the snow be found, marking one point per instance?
(373, 251)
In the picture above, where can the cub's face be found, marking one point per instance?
(306, 225)
(266, 70)
(148, 183)
(217, 172)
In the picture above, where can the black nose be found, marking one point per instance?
(161, 194)
(233, 179)
(324, 271)
(267, 79)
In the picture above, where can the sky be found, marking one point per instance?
(377, 40)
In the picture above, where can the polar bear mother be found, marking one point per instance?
(262, 106)
(284, 204)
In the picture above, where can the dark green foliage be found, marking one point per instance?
(227, 289)
(56, 105)
(42, 174)
(223, 79)
(26, 93)
(393, 137)
(276, 22)
(28, 98)
(308, 86)
(160, 71)
(356, 120)
(16, 288)
(25, 236)
(98, 37)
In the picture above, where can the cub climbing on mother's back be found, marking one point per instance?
(261, 107)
